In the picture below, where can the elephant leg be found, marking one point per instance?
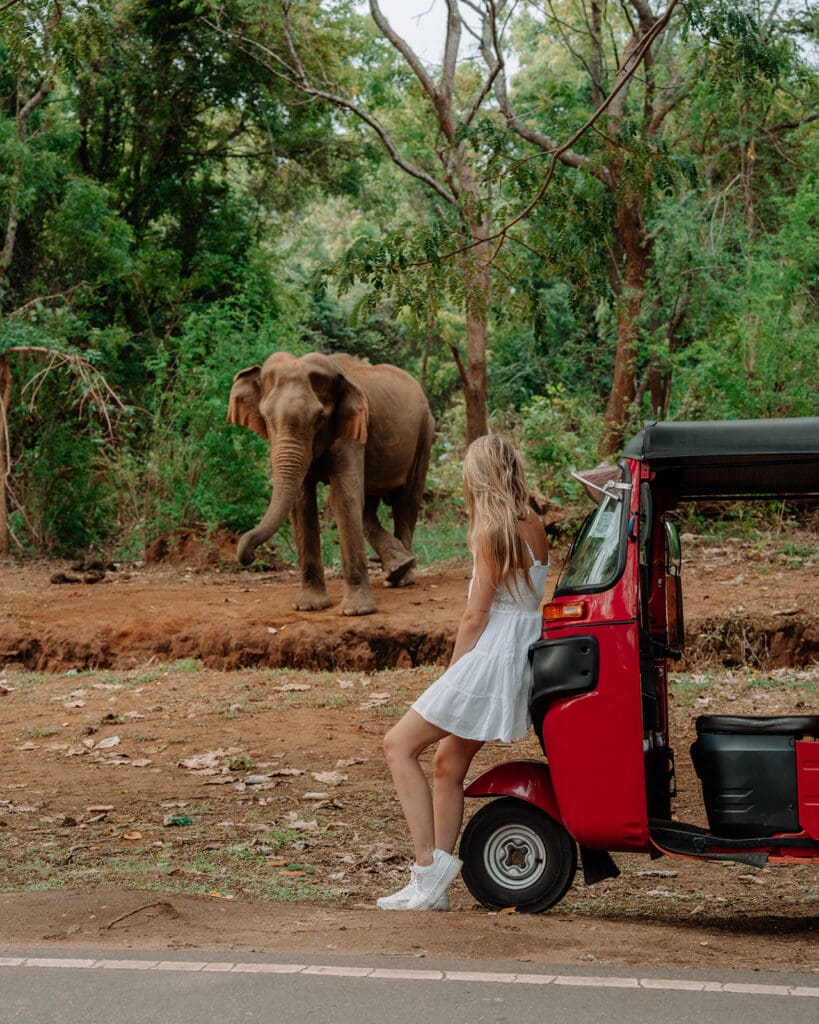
(347, 500)
(304, 518)
(396, 560)
(406, 502)
(404, 516)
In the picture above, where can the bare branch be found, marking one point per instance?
(406, 51)
(771, 15)
(662, 110)
(635, 52)
(785, 126)
(490, 48)
(644, 12)
(298, 77)
(34, 101)
(47, 298)
(456, 355)
(98, 390)
(453, 42)
(561, 26)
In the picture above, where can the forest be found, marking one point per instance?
(584, 214)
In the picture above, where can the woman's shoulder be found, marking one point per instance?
(535, 537)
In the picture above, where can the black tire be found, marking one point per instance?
(516, 855)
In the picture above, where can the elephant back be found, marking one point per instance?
(400, 427)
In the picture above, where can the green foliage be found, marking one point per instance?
(66, 493)
(181, 211)
(560, 435)
(201, 470)
(83, 238)
(756, 353)
(742, 46)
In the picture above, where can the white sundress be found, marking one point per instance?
(485, 694)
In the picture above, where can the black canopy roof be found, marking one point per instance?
(732, 458)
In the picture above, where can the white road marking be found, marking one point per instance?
(408, 974)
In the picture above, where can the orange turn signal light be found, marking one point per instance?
(560, 611)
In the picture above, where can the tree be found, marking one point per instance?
(34, 36)
(146, 194)
(650, 144)
(608, 42)
(459, 107)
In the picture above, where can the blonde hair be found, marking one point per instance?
(497, 500)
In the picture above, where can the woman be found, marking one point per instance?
(483, 694)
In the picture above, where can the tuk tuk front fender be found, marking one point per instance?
(528, 780)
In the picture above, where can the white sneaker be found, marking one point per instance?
(399, 900)
(432, 881)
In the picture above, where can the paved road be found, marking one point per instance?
(100, 987)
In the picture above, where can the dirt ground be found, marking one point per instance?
(189, 763)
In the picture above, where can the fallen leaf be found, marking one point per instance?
(131, 836)
(375, 700)
(107, 743)
(293, 821)
(208, 760)
(330, 778)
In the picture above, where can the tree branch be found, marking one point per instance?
(406, 51)
(456, 355)
(563, 153)
(98, 390)
(297, 76)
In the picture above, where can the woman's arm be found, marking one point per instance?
(476, 614)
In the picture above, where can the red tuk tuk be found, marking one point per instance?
(599, 697)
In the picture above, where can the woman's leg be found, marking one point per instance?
(452, 760)
(403, 745)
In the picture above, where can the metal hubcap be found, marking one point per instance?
(515, 857)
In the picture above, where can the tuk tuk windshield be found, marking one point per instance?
(594, 562)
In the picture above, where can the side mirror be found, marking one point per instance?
(674, 623)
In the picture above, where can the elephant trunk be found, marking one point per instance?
(289, 462)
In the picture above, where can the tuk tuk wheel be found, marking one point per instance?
(515, 855)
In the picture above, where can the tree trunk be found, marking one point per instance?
(659, 389)
(636, 252)
(476, 263)
(476, 276)
(5, 468)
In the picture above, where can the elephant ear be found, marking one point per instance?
(243, 407)
(352, 411)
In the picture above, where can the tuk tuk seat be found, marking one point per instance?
(748, 769)
(781, 725)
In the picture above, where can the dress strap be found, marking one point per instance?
(535, 561)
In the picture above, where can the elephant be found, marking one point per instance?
(367, 431)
